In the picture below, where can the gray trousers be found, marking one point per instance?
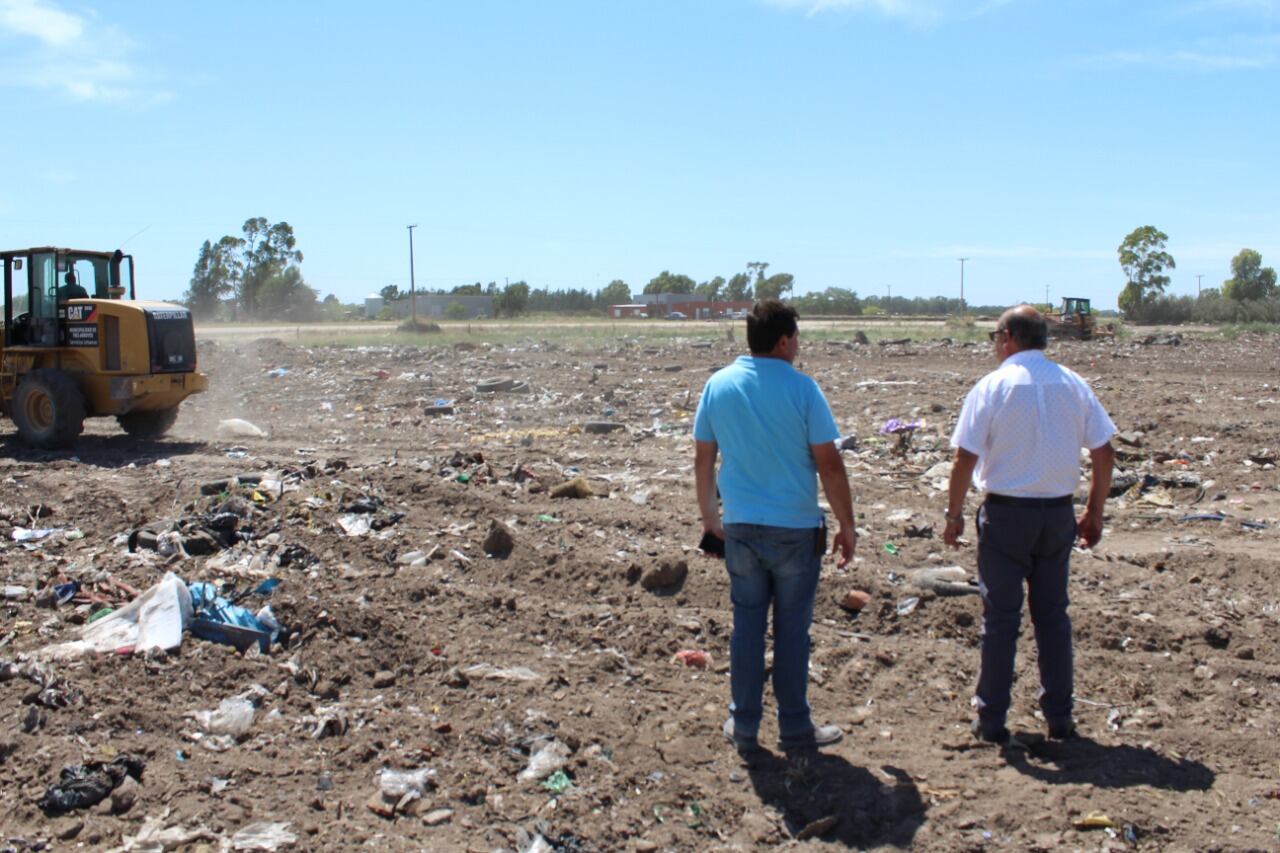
(1030, 544)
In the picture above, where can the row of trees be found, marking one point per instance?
(1249, 295)
(752, 284)
(255, 275)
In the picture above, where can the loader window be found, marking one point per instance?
(43, 283)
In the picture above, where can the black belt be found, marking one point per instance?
(1042, 503)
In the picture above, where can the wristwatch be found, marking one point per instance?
(958, 518)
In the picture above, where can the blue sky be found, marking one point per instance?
(854, 143)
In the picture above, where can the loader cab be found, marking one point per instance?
(38, 283)
(1075, 305)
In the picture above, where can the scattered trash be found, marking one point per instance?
(25, 534)
(239, 428)
(891, 549)
(501, 384)
(551, 757)
(944, 580)
(155, 837)
(1095, 820)
(904, 430)
(217, 620)
(263, 836)
(153, 620)
(489, 672)
(907, 605)
(558, 782)
(397, 783)
(855, 600)
(16, 593)
(692, 658)
(82, 785)
(233, 717)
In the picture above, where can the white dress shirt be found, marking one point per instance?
(1026, 422)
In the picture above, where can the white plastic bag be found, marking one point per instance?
(394, 784)
(233, 717)
(545, 761)
(239, 428)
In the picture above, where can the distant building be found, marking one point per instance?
(661, 304)
(373, 305)
(437, 305)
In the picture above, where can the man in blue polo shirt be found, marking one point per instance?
(774, 430)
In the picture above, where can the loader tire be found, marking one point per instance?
(150, 424)
(48, 409)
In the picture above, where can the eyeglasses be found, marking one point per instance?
(992, 335)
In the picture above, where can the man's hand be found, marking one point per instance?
(1090, 528)
(957, 487)
(1103, 459)
(714, 527)
(844, 544)
(954, 530)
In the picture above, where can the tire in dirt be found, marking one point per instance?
(152, 424)
(48, 409)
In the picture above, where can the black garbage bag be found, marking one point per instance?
(84, 785)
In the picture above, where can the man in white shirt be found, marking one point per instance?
(1018, 440)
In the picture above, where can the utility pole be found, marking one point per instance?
(413, 287)
(1046, 295)
(889, 287)
(962, 260)
(1198, 285)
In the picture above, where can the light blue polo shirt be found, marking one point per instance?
(764, 414)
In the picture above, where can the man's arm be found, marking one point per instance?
(835, 485)
(961, 476)
(704, 471)
(1090, 524)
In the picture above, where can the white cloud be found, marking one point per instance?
(920, 12)
(1262, 7)
(41, 20)
(1238, 54)
(72, 53)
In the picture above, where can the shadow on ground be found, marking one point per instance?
(102, 451)
(1085, 761)
(824, 796)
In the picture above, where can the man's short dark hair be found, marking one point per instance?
(769, 322)
(1030, 331)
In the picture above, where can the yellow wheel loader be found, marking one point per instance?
(1075, 320)
(75, 348)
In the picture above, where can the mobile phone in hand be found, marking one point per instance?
(711, 544)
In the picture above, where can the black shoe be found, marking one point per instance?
(1063, 730)
(1000, 735)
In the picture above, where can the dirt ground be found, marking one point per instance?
(408, 647)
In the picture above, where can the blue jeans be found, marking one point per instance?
(778, 566)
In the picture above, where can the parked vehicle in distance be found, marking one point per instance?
(677, 315)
